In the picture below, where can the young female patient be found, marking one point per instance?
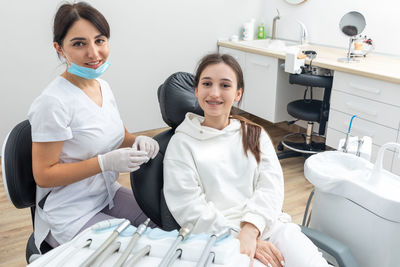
(222, 170)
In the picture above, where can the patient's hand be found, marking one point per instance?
(248, 240)
(268, 254)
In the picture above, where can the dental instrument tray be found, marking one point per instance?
(150, 248)
(357, 203)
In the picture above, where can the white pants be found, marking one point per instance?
(296, 248)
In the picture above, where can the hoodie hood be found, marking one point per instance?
(192, 127)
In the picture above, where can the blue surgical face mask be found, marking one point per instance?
(88, 73)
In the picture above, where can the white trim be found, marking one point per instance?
(3, 168)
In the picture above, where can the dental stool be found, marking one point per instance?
(176, 98)
(20, 187)
(309, 110)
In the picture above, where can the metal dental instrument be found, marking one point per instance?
(183, 233)
(106, 254)
(140, 254)
(213, 238)
(139, 231)
(105, 244)
(210, 259)
(174, 257)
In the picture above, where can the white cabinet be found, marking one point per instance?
(267, 90)
(377, 106)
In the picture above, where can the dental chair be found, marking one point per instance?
(176, 98)
(310, 110)
(20, 187)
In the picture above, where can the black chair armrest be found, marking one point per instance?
(333, 247)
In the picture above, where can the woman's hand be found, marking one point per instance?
(248, 240)
(122, 160)
(268, 254)
(145, 143)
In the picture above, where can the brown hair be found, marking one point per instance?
(250, 131)
(67, 14)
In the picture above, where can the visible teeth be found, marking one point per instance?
(214, 103)
(93, 63)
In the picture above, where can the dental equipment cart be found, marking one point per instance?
(357, 203)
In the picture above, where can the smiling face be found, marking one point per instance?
(216, 92)
(84, 45)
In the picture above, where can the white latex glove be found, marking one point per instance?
(122, 160)
(147, 144)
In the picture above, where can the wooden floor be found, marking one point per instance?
(16, 224)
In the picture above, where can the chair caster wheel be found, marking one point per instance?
(280, 146)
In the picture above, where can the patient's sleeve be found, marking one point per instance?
(264, 207)
(185, 198)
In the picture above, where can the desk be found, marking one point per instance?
(369, 88)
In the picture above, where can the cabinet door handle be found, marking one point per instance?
(366, 89)
(358, 107)
(263, 64)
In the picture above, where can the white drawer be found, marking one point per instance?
(377, 112)
(360, 127)
(240, 56)
(366, 87)
(332, 140)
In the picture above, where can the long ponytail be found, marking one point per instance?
(251, 133)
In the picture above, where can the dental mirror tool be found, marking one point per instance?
(213, 238)
(105, 244)
(139, 231)
(182, 235)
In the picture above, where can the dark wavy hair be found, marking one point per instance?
(67, 14)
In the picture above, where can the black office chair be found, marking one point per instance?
(176, 98)
(18, 179)
(310, 110)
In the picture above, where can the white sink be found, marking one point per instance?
(276, 45)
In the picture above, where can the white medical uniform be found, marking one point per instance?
(63, 112)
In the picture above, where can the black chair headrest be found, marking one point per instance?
(176, 98)
(17, 168)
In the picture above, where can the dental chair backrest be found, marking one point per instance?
(17, 166)
(19, 184)
(176, 97)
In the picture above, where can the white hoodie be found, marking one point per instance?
(210, 182)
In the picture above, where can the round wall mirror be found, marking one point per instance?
(352, 23)
(295, 2)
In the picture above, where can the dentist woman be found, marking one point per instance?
(79, 141)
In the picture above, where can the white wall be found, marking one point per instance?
(150, 40)
(322, 17)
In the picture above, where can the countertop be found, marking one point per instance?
(374, 66)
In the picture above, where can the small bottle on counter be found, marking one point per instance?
(261, 32)
(248, 30)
